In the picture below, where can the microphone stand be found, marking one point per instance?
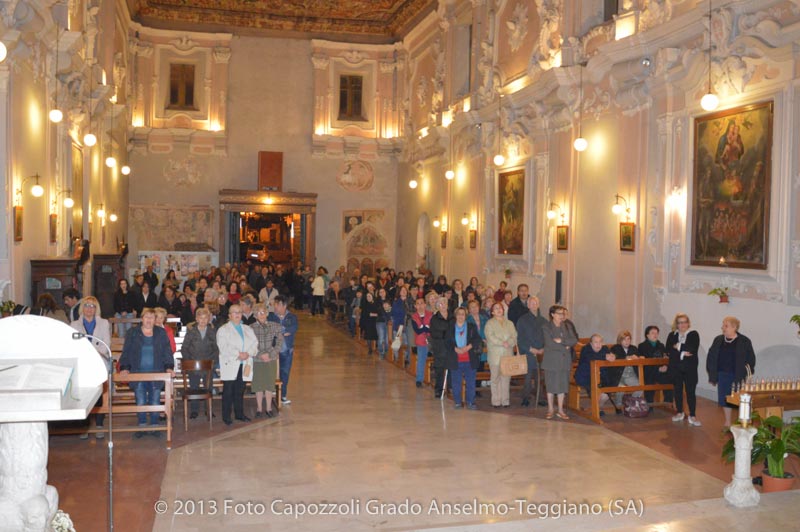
(110, 363)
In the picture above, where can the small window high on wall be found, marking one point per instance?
(610, 8)
(350, 98)
(181, 87)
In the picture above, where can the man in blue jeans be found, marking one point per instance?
(288, 323)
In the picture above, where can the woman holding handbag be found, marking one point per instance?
(501, 337)
(557, 363)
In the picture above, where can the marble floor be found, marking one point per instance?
(360, 442)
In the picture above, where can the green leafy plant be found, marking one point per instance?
(796, 320)
(774, 441)
(7, 307)
(721, 292)
(508, 272)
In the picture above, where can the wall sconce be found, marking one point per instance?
(709, 101)
(436, 222)
(3, 51)
(68, 201)
(101, 212)
(449, 175)
(618, 209)
(112, 217)
(125, 170)
(412, 184)
(556, 210)
(465, 219)
(37, 190)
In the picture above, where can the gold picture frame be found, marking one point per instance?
(562, 237)
(17, 223)
(53, 228)
(444, 239)
(627, 234)
(473, 238)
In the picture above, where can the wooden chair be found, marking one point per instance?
(193, 394)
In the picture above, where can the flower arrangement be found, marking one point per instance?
(62, 522)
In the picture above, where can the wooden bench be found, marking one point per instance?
(166, 408)
(597, 391)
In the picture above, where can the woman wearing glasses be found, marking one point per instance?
(683, 345)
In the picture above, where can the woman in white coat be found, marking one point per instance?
(237, 346)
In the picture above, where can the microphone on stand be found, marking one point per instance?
(109, 359)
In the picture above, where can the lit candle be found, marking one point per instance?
(744, 408)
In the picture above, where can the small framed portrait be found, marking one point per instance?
(627, 230)
(53, 228)
(444, 239)
(473, 238)
(18, 223)
(562, 237)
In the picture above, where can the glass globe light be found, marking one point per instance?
(449, 174)
(37, 190)
(499, 160)
(412, 184)
(111, 162)
(617, 209)
(56, 116)
(709, 102)
(126, 170)
(580, 144)
(69, 202)
(89, 139)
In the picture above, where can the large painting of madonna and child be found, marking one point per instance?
(732, 174)
(511, 205)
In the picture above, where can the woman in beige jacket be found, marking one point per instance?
(501, 337)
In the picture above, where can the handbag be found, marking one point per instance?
(633, 406)
(513, 365)
(397, 343)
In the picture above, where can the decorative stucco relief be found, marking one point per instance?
(548, 49)
(439, 58)
(159, 227)
(517, 26)
(422, 91)
(355, 176)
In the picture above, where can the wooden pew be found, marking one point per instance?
(640, 363)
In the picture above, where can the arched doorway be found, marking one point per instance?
(424, 255)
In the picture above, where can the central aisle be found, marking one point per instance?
(358, 430)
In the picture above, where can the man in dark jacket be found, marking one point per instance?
(519, 305)
(530, 340)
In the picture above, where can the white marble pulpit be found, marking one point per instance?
(27, 503)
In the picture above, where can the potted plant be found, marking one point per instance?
(7, 307)
(796, 320)
(508, 273)
(721, 292)
(773, 442)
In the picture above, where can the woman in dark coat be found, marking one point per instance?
(653, 348)
(440, 323)
(124, 306)
(369, 321)
(169, 301)
(683, 345)
(594, 350)
(463, 348)
(729, 357)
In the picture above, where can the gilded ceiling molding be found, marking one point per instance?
(381, 19)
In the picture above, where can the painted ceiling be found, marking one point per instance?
(378, 20)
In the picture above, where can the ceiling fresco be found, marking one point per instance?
(378, 20)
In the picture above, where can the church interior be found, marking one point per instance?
(629, 160)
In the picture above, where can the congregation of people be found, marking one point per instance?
(239, 316)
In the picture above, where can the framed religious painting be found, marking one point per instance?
(53, 226)
(511, 209)
(444, 239)
(473, 238)
(627, 231)
(731, 192)
(562, 236)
